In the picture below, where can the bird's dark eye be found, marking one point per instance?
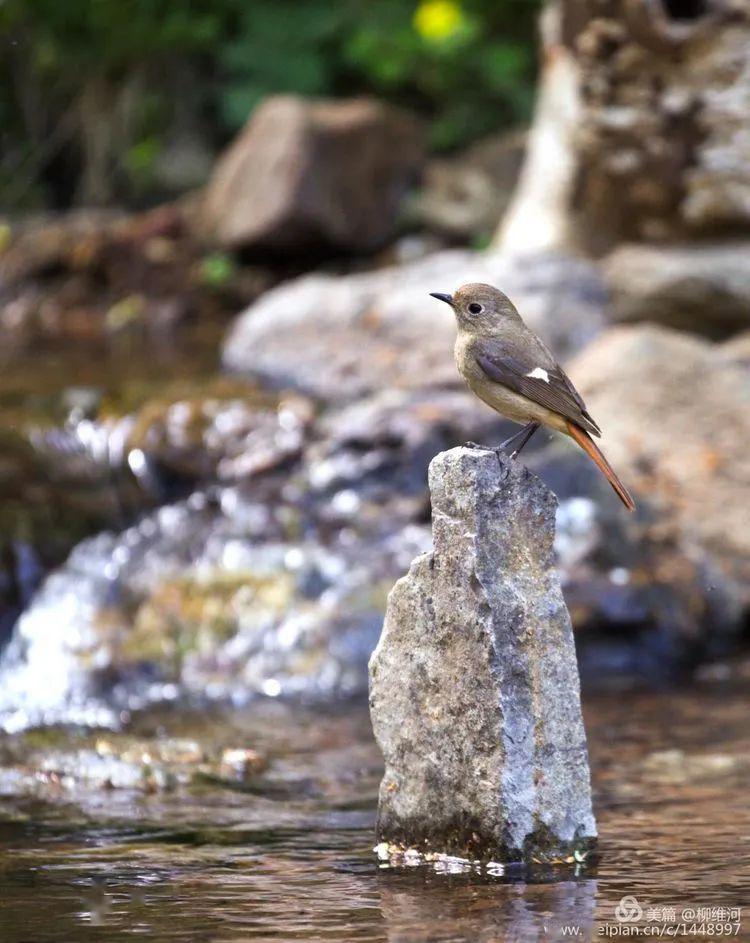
(475, 308)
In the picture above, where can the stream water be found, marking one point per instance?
(285, 853)
(227, 825)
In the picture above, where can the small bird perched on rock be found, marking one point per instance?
(509, 367)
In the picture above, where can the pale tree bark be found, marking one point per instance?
(95, 121)
(642, 129)
(538, 216)
(107, 117)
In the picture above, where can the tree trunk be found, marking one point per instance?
(95, 118)
(641, 129)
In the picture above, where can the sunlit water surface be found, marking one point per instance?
(288, 854)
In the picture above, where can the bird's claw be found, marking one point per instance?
(499, 451)
(499, 455)
(479, 446)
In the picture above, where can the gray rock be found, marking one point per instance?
(463, 197)
(474, 690)
(306, 174)
(703, 288)
(737, 350)
(645, 601)
(675, 410)
(342, 337)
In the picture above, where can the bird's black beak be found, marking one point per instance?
(448, 299)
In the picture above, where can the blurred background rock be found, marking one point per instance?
(223, 379)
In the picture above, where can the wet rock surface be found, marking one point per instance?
(49, 765)
(77, 460)
(196, 601)
(284, 522)
(341, 338)
(271, 576)
(474, 691)
(309, 173)
(221, 431)
(43, 514)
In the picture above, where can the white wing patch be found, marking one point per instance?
(539, 373)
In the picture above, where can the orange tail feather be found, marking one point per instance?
(595, 454)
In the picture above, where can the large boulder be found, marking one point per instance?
(474, 691)
(701, 287)
(646, 601)
(343, 337)
(309, 175)
(675, 410)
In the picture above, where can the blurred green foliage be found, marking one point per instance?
(91, 90)
(217, 269)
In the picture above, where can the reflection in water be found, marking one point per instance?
(424, 908)
(286, 854)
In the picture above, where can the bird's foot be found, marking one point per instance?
(499, 450)
(479, 447)
(519, 440)
(500, 454)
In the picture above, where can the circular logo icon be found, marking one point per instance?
(628, 910)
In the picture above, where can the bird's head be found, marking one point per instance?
(480, 308)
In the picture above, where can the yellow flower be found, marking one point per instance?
(436, 20)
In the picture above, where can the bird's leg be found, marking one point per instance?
(523, 435)
(526, 433)
(509, 441)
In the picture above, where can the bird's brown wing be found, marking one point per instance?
(543, 381)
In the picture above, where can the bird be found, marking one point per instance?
(508, 367)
